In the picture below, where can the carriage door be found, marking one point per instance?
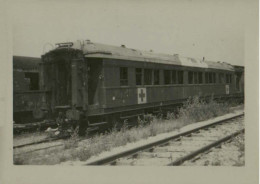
(95, 78)
(79, 83)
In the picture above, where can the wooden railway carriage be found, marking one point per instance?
(26, 92)
(104, 83)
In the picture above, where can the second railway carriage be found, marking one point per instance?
(26, 94)
(102, 83)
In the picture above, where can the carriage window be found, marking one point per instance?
(156, 77)
(138, 75)
(220, 78)
(180, 77)
(228, 78)
(190, 77)
(174, 77)
(33, 79)
(123, 76)
(195, 77)
(206, 77)
(210, 77)
(200, 77)
(167, 76)
(147, 77)
(214, 77)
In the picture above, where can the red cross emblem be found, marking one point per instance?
(141, 95)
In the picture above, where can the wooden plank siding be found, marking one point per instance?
(116, 98)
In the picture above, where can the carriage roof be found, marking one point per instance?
(26, 64)
(97, 50)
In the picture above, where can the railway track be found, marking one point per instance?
(38, 145)
(39, 142)
(173, 151)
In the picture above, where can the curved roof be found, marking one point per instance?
(26, 63)
(97, 50)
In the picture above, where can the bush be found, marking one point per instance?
(196, 109)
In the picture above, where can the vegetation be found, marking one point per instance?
(193, 110)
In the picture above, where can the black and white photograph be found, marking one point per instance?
(132, 85)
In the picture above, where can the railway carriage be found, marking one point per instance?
(97, 83)
(26, 92)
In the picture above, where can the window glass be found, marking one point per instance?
(190, 77)
(228, 78)
(210, 77)
(156, 77)
(214, 77)
(195, 77)
(180, 77)
(167, 77)
(138, 76)
(147, 77)
(206, 77)
(200, 77)
(174, 77)
(123, 76)
(219, 78)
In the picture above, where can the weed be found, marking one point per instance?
(193, 110)
(73, 140)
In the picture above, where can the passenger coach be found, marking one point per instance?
(103, 83)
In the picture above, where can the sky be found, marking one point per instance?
(214, 29)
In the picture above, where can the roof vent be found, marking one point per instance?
(151, 50)
(64, 45)
(203, 59)
(123, 46)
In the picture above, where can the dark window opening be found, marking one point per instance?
(147, 77)
(220, 78)
(206, 77)
(210, 77)
(123, 76)
(138, 76)
(167, 77)
(180, 77)
(214, 77)
(190, 77)
(195, 77)
(156, 77)
(228, 78)
(238, 81)
(200, 77)
(174, 77)
(33, 79)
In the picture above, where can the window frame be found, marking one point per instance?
(154, 77)
(123, 81)
(180, 80)
(140, 73)
(169, 76)
(190, 77)
(145, 74)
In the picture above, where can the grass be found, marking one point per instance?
(193, 110)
